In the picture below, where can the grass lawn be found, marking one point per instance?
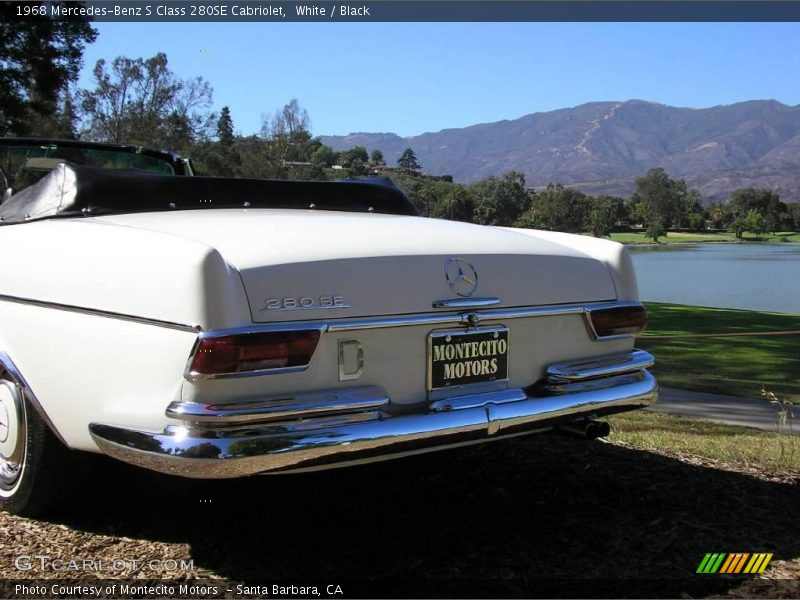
(727, 443)
(738, 366)
(683, 238)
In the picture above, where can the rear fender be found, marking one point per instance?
(9, 370)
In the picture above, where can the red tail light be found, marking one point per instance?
(248, 352)
(619, 320)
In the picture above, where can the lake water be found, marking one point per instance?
(762, 277)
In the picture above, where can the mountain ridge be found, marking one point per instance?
(603, 146)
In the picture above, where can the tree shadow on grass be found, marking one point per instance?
(536, 516)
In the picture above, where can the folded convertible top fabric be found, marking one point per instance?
(71, 190)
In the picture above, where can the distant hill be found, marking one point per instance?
(603, 146)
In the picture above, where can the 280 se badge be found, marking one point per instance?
(466, 357)
(304, 303)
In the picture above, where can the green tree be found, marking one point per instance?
(655, 229)
(500, 200)
(376, 159)
(426, 196)
(602, 214)
(793, 215)
(634, 209)
(738, 226)
(531, 220)
(288, 141)
(141, 101)
(323, 156)
(225, 133)
(560, 209)
(67, 117)
(214, 159)
(720, 215)
(408, 160)
(764, 201)
(355, 160)
(434, 198)
(691, 214)
(285, 149)
(455, 203)
(221, 157)
(755, 222)
(39, 58)
(290, 124)
(660, 198)
(256, 158)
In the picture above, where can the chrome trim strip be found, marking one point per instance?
(596, 367)
(195, 376)
(274, 327)
(467, 389)
(347, 324)
(474, 400)
(8, 364)
(587, 385)
(281, 408)
(353, 324)
(466, 302)
(207, 453)
(285, 427)
(193, 327)
(452, 318)
(613, 338)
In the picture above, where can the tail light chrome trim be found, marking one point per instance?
(630, 317)
(192, 373)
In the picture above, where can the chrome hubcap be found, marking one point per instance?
(12, 434)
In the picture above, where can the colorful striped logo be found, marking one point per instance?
(736, 562)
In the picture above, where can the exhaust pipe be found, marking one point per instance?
(587, 429)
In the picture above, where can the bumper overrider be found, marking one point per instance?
(320, 430)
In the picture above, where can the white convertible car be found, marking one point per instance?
(212, 328)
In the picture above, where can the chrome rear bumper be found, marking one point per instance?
(315, 431)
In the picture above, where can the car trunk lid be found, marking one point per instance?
(312, 265)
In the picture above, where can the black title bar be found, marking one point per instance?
(421, 11)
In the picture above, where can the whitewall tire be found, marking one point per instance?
(33, 464)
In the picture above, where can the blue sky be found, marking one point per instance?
(409, 78)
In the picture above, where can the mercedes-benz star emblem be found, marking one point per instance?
(461, 275)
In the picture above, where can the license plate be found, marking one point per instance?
(457, 358)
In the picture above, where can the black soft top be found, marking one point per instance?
(73, 190)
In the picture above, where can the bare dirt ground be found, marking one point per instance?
(537, 516)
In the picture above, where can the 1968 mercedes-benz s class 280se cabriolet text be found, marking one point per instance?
(210, 327)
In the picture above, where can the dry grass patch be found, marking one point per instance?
(713, 441)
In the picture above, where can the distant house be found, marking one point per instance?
(385, 170)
